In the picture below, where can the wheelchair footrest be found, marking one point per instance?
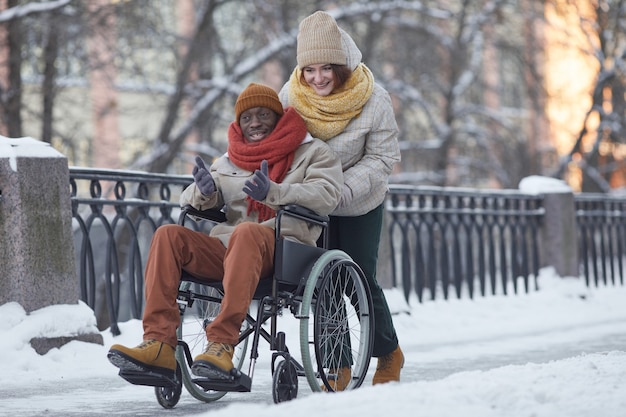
(151, 379)
(242, 383)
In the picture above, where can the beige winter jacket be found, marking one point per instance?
(314, 180)
(368, 147)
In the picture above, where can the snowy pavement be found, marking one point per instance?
(111, 396)
(557, 352)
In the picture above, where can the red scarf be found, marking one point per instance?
(278, 149)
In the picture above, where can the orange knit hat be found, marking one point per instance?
(257, 95)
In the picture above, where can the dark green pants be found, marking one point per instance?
(359, 237)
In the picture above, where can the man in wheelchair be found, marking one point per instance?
(271, 161)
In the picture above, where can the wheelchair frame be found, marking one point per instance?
(324, 289)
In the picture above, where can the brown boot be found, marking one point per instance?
(341, 380)
(149, 356)
(388, 368)
(215, 363)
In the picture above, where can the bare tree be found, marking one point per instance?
(607, 44)
(11, 93)
(457, 47)
(465, 77)
(433, 57)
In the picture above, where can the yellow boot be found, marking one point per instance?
(149, 356)
(388, 368)
(341, 381)
(215, 363)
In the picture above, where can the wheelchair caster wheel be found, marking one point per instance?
(285, 382)
(168, 396)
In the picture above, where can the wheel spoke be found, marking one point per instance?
(338, 331)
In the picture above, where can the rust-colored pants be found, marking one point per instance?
(249, 256)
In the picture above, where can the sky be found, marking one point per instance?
(559, 351)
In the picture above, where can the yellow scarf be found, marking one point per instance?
(327, 116)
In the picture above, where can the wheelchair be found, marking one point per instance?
(325, 290)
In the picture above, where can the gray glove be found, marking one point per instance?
(202, 177)
(258, 186)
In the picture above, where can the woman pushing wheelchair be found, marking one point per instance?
(271, 161)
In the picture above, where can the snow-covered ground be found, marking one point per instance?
(560, 351)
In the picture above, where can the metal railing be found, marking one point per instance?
(601, 222)
(115, 214)
(443, 242)
(466, 241)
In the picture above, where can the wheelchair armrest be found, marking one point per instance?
(211, 214)
(304, 213)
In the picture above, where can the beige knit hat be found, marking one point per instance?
(319, 41)
(257, 95)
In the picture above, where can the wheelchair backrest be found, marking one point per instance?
(294, 261)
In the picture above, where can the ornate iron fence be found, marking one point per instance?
(115, 214)
(601, 222)
(465, 241)
(443, 242)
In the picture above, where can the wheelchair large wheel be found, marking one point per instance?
(337, 324)
(192, 331)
